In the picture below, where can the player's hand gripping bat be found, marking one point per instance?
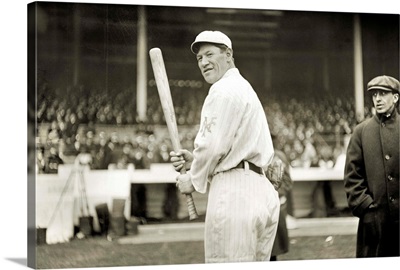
(164, 92)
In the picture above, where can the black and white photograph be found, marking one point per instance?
(207, 135)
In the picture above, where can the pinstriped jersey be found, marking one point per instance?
(233, 128)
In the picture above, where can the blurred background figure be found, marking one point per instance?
(327, 161)
(281, 243)
(40, 159)
(309, 156)
(53, 161)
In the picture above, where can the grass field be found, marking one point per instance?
(99, 252)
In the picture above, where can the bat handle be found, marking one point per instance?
(191, 207)
(190, 203)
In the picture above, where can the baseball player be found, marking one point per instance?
(231, 148)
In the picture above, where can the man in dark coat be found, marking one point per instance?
(281, 242)
(371, 177)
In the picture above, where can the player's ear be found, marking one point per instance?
(229, 52)
(396, 97)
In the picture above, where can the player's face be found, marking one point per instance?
(384, 100)
(213, 62)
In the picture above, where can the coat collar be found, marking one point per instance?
(387, 119)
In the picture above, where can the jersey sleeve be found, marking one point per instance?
(220, 119)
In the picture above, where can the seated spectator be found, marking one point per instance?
(53, 161)
(297, 120)
(40, 161)
(309, 156)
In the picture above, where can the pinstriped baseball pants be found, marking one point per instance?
(242, 217)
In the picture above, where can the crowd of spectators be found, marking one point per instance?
(310, 130)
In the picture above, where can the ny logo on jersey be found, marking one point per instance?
(206, 126)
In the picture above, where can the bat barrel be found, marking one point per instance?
(164, 92)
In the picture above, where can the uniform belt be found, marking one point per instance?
(252, 167)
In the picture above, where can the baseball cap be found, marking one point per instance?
(210, 37)
(385, 83)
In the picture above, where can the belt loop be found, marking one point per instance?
(246, 167)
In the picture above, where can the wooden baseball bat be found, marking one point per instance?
(164, 92)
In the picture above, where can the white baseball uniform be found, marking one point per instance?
(243, 206)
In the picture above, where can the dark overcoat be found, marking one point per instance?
(371, 182)
(281, 242)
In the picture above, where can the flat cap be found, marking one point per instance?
(207, 36)
(385, 83)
